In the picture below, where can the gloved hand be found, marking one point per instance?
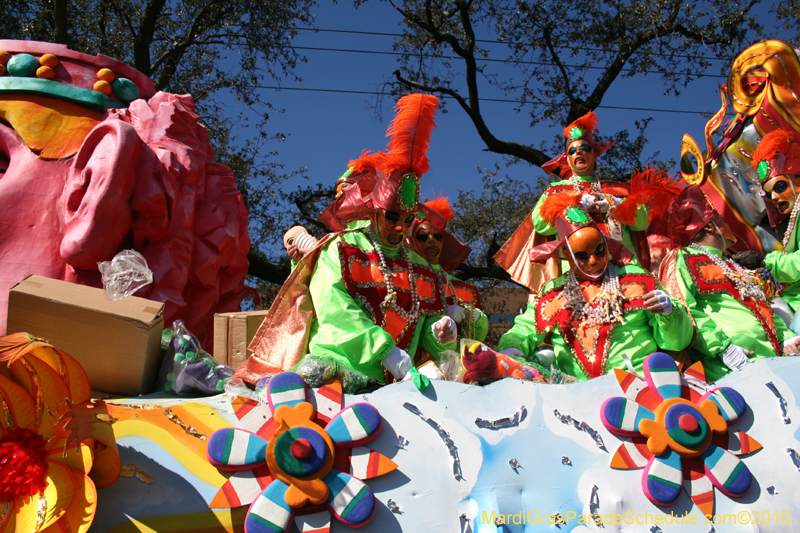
(735, 357)
(398, 363)
(750, 259)
(445, 330)
(596, 204)
(546, 356)
(483, 362)
(658, 302)
(513, 352)
(456, 312)
(790, 346)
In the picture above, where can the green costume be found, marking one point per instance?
(619, 190)
(587, 351)
(343, 329)
(721, 316)
(785, 268)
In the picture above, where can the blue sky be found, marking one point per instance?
(327, 129)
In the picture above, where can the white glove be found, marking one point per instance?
(445, 330)
(456, 312)
(398, 363)
(546, 356)
(791, 344)
(664, 301)
(590, 200)
(735, 357)
(512, 352)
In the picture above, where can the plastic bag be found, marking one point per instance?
(317, 370)
(187, 369)
(125, 274)
(451, 366)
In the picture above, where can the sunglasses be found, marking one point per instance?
(423, 237)
(394, 216)
(584, 148)
(780, 187)
(584, 256)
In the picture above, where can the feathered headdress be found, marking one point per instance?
(652, 187)
(583, 128)
(441, 205)
(396, 171)
(778, 153)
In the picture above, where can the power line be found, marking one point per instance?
(606, 50)
(371, 93)
(378, 52)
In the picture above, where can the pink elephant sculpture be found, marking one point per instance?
(94, 161)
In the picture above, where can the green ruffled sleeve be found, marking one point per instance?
(673, 331)
(343, 329)
(710, 339)
(523, 335)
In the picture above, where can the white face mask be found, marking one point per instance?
(594, 277)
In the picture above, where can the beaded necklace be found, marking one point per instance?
(468, 331)
(606, 306)
(792, 221)
(577, 184)
(747, 289)
(390, 301)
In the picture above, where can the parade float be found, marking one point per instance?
(663, 450)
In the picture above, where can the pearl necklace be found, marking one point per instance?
(390, 301)
(577, 184)
(747, 289)
(605, 307)
(792, 221)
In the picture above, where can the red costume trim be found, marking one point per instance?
(590, 344)
(710, 279)
(364, 281)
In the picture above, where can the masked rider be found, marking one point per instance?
(603, 309)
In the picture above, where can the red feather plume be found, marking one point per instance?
(771, 144)
(587, 122)
(553, 206)
(441, 205)
(410, 133)
(652, 187)
(366, 163)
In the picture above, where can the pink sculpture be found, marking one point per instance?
(96, 162)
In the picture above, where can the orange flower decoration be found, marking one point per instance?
(55, 447)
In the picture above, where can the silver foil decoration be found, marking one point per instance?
(560, 520)
(594, 508)
(513, 463)
(711, 529)
(402, 442)
(795, 457)
(501, 423)
(782, 402)
(444, 435)
(655, 529)
(393, 507)
(772, 490)
(565, 460)
(581, 426)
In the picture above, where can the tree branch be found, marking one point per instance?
(263, 269)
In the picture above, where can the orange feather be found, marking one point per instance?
(587, 123)
(410, 133)
(652, 187)
(772, 143)
(441, 205)
(553, 206)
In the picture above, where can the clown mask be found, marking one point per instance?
(587, 253)
(428, 242)
(782, 192)
(391, 227)
(581, 157)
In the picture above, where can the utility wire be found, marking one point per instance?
(606, 50)
(485, 60)
(372, 93)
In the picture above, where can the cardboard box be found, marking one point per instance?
(118, 343)
(232, 335)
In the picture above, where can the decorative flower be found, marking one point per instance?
(45, 483)
(287, 466)
(679, 433)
